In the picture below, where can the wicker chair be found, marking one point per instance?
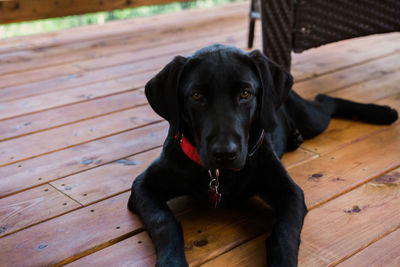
(297, 25)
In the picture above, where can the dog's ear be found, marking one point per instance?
(162, 92)
(276, 84)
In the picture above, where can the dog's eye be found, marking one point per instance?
(197, 96)
(244, 94)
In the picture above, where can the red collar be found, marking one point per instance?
(191, 151)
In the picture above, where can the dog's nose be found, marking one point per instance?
(225, 153)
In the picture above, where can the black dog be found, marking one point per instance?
(232, 116)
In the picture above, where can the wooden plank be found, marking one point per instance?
(222, 230)
(23, 10)
(40, 170)
(384, 252)
(74, 78)
(194, 43)
(37, 103)
(207, 233)
(91, 80)
(299, 156)
(141, 253)
(391, 101)
(358, 162)
(372, 90)
(252, 254)
(31, 207)
(349, 76)
(63, 115)
(348, 46)
(73, 233)
(353, 215)
(21, 148)
(107, 180)
(37, 74)
(340, 133)
(338, 55)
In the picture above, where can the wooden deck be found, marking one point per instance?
(75, 129)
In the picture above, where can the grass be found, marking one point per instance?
(54, 24)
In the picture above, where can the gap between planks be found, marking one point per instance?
(379, 238)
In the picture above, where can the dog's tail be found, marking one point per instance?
(369, 113)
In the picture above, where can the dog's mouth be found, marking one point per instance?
(223, 165)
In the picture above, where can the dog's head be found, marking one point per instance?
(220, 98)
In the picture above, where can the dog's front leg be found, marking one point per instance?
(163, 227)
(287, 200)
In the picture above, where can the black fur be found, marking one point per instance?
(221, 98)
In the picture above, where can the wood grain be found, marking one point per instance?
(107, 180)
(53, 241)
(67, 114)
(350, 222)
(136, 251)
(358, 162)
(31, 207)
(384, 252)
(299, 156)
(252, 253)
(36, 171)
(348, 76)
(360, 50)
(71, 135)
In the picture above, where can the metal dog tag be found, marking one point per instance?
(214, 197)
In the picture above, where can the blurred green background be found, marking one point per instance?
(46, 25)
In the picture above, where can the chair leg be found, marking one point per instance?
(251, 33)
